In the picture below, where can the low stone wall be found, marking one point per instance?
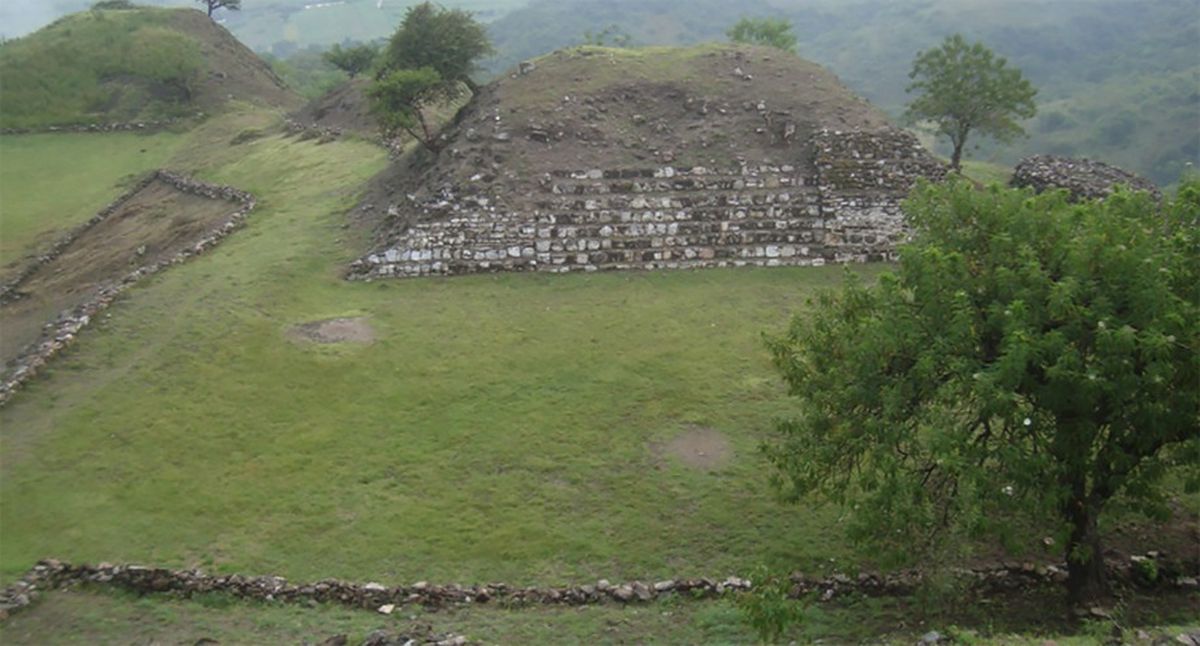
(131, 126)
(60, 333)
(8, 291)
(841, 206)
(52, 574)
(1085, 179)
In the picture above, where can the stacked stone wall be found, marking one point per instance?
(840, 206)
(52, 574)
(60, 333)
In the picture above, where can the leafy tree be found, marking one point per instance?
(1029, 358)
(213, 5)
(399, 98)
(352, 60)
(965, 87)
(772, 32)
(610, 36)
(449, 41)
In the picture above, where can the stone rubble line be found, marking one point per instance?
(51, 574)
(60, 333)
(130, 126)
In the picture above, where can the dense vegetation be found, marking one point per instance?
(1029, 357)
(99, 65)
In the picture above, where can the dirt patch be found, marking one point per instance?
(343, 108)
(699, 448)
(153, 225)
(339, 330)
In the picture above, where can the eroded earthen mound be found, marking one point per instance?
(596, 158)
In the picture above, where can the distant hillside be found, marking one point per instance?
(124, 65)
(1119, 80)
(276, 26)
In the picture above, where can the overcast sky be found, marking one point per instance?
(19, 17)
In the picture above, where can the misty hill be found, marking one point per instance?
(1118, 79)
(125, 65)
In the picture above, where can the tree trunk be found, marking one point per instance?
(1086, 582)
(956, 157)
(210, 8)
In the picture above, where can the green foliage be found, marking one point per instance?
(610, 36)
(306, 71)
(101, 65)
(448, 41)
(772, 32)
(353, 60)
(429, 60)
(965, 87)
(399, 98)
(768, 608)
(114, 5)
(1029, 356)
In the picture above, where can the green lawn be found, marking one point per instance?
(50, 183)
(501, 427)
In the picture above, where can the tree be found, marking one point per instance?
(398, 101)
(449, 41)
(353, 60)
(772, 32)
(1029, 358)
(966, 87)
(429, 60)
(213, 5)
(610, 36)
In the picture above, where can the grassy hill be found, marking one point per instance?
(127, 65)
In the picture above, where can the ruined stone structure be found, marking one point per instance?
(1085, 179)
(840, 203)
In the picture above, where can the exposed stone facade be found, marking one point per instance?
(60, 333)
(1084, 178)
(840, 205)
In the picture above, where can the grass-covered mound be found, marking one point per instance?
(105, 66)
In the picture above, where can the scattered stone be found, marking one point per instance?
(932, 637)
(387, 608)
(1085, 179)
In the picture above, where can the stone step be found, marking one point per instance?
(722, 184)
(674, 212)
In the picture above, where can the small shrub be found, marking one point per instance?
(768, 608)
(114, 5)
(246, 136)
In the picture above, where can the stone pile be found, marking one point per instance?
(60, 333)
(840, 206)
(1085, 179)
(53, 574)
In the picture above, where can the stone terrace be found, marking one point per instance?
(840, 205)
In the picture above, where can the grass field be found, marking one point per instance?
(499, 428)
(50, 183)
